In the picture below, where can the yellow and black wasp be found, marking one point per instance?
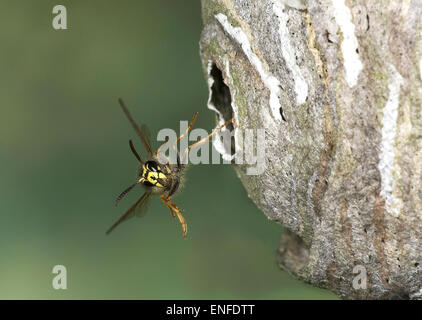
(157, 178)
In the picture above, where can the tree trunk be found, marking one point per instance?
(336, 84)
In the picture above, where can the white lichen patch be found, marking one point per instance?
(269, 81)
(296, 4)
(349, 46)
(420, 60)
(301, 87)
(388, 135)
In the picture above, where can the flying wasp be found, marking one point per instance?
(158, 178)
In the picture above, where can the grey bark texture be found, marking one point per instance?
(336, 85)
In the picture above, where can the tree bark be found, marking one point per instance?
(337, 87)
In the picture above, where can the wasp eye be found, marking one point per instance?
(152, 165)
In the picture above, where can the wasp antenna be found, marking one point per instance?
(120, 197)
(132, 147)
(162, 146)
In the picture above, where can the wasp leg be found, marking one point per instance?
(189, 127)
(179, 215)
(180, 138)
(203, 140)
(168, 206)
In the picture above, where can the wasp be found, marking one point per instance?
(157, 177)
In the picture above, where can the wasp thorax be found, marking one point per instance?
(151, 174)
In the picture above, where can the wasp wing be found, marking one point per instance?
(142, 208)
(139, 209)
(146, 140)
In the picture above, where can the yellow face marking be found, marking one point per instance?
(152, 176)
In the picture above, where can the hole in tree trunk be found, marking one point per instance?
(222, 101)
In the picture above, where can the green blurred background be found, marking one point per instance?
(65, 157)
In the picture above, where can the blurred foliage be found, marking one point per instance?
(65, 157)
